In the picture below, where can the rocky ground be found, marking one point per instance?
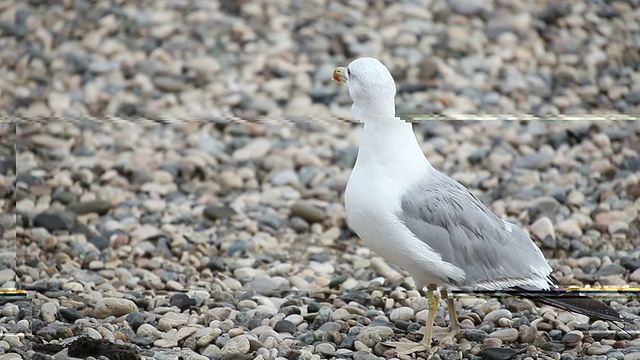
(178, 172)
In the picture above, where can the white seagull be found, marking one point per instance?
(422, 220)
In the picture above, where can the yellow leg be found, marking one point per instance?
(453, 316)
(454, 326)
(409, 347)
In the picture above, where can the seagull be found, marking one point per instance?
(420, 219)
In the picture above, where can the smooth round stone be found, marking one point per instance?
(496, 315)
(285, 326)
(10, 310)
(598, 349)
(206, 336)
(326, 348)
(13, 340)
(135, 319)
(48, 312)
(341, 314)
(566, 317)
(330, 326)
(11, 356)
(296, 319)
(492, 342)
(93, 333)
(114, 307)
(402, 313)
(148, 330)
(24, 324)
(237, 345)
(508, 335)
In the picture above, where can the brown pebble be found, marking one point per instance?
(634, 190)
(620, 344)
(518, 305)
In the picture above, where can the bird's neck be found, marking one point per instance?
(391, 143)
(371, 110)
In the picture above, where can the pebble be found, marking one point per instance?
(114, 307)
(285, 326)
(572, 338)
(401, 314)
(307, 211)
(99, 207)
(496, 315)
(569, 227)
(495, 353)
(237, 345)
(507, 335)
(598, 349)
(543, 230)
(48, 312)
(215, 212)
(51, 222)
(252, 151)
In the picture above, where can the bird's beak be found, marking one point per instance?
(340, 75)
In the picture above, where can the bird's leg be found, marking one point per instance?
(454, 326)
(409, 347)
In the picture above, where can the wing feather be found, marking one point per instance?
(451, 220)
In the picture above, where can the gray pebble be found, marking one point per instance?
(307, 211)
(496, 315)
(507, 335)
(498, 353)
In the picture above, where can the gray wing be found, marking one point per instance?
(450, 219)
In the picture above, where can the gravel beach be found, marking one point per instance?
(172, 173)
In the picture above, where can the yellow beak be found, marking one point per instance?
(340, 75)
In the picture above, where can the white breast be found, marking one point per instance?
(372, 200)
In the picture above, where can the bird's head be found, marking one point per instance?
(371, 88)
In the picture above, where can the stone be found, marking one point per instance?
(285, 326)
(404, 313)
(7, 275)
(99, 207)
(569, 227)
(237, 345)
(254, 150)
(204, 65)
(49, 221)
(216, 212)
(307, 211)
(572, 338)
(48, 312)
(498, 353)
(598, 349)
(537, 161)
(114, 307)
(542, 229)
(507, 335)
(496, 315)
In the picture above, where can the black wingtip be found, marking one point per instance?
(592, 308)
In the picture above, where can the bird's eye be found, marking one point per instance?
(348, 72)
